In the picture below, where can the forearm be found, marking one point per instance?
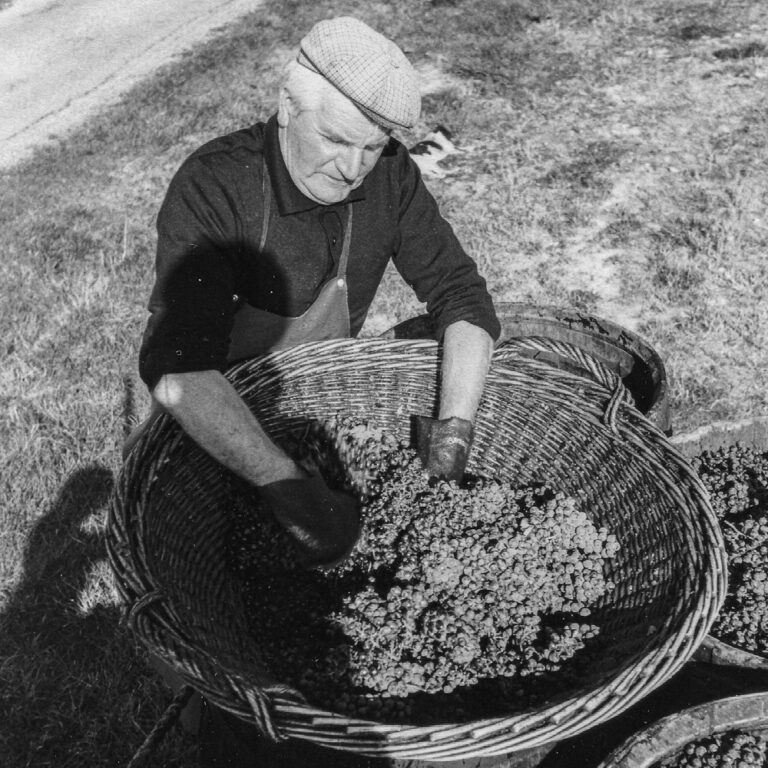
(467, 351)
(211, 412)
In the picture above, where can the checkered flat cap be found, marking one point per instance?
(367, 68)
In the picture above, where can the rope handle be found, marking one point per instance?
(260, 707)
(140, 605)
(511, 348)
(161, 728)
(258, 700)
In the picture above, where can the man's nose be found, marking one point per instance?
(349, 163)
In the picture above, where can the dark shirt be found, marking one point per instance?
(208, 258)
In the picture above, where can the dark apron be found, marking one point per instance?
(256, 332)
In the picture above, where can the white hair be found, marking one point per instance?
(307, 89)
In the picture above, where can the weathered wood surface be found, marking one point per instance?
(719, 434)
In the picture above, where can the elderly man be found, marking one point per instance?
(279, 234)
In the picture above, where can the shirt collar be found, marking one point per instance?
(287, 195)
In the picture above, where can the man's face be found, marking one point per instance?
(329, 150)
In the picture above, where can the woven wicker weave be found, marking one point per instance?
(169, 530)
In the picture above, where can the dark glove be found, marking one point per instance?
(443, 446)
(324, 524)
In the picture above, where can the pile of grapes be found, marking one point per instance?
(455, 596)
(732, 749)
(737, 480)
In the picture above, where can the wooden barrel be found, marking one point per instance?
(620, 350)
(664, 738)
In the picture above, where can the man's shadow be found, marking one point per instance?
(75, 689)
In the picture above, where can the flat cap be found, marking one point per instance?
(366, 67)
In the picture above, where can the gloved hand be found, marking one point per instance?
(443, 446)
(324, 524)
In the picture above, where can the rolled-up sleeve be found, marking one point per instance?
(191, 305)
(431, 260)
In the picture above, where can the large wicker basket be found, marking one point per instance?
(169, 528)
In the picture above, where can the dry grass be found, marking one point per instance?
(615, 161)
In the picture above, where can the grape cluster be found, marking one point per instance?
(451, 589)
(732, 749)
(736, 478)
(460, 579)
(352, 454)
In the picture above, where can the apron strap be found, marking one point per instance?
(344, 258)
(266, 192)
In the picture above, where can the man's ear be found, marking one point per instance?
(286, 108)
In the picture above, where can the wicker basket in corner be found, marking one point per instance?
(168, 533)
(666, 737)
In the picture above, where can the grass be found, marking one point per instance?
(615, 162)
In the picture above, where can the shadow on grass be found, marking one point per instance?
(74, 687)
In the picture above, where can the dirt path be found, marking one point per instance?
(62, 59)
